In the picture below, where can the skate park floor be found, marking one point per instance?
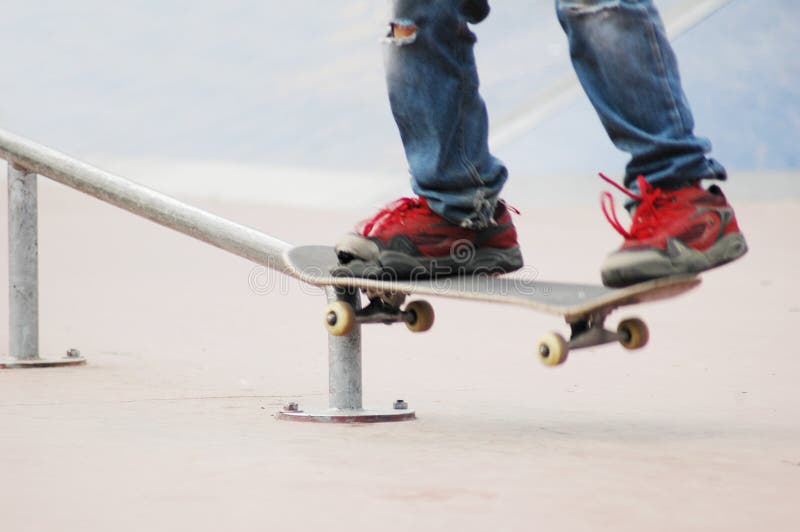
(191, 352)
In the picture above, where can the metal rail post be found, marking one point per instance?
(23, 264)
(23, 275)
(344, 359)
(345, 379)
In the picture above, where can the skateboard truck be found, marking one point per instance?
(341, 316)
(589, 331)
(552, 348)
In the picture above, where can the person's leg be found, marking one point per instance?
(433, 83)
(626, 65)
(457, 226)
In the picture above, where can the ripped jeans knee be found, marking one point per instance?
(439, 20)
(402, 32)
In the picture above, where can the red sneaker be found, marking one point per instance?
(408, 240)
(686, 230)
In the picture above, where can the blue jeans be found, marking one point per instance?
(621, 55)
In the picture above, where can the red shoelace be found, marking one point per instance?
(394, 211)
(399, 209)
(646, 220)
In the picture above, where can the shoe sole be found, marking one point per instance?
(630, 267)
(491, 261)
(363, 258)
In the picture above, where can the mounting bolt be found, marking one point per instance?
(73, 353)
(292, 407)
(400, 405)
(331, 319)
(544, 351)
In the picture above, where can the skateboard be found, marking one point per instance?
(584, 307)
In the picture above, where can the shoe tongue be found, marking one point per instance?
(666, 191)
(403, 204)
(397, 206)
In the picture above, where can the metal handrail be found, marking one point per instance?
(26, 159)
(140, 200)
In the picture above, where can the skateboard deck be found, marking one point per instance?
(584, 306)
(313, 264)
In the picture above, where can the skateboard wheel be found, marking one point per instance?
(553, 349)
(419, 316)
(339, 318)
(633, 333)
